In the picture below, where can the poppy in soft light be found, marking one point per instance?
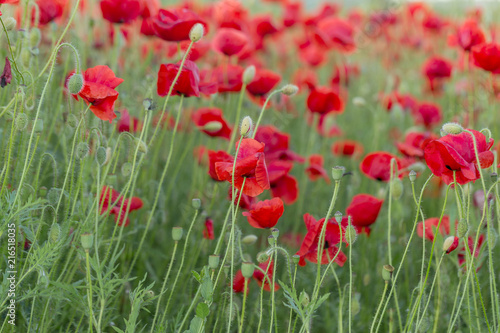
(431, 225)
(120, 11)
(265, 214)
(174, 25)
(208, 231)
(127, 123)
(188, 83)
(264, 81)
(349, 148)
(428, 114)
(487, 57)
(315, 169)
(229, 41)
(363, 210)
(377, 165)
(324, 100)
(469, 34)
(122, 207)
(211, 122)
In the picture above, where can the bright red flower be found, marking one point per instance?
(126, 123)
(415, 143)
(263, 25)
(99, 91)
(455, 153)
(214, 157)
(109, 196)
(436, 69)
(453, 245)
(282, 184)
(263, 82)
(276, 144)
(228, 78)
(427, 114)
(250, 165)
(174, 25)
(49, 10)
(363, 210)
(470, 241)
(229, 41)
(335, 32)
(315, 169)
(469, 34)
(324, 100)
(431, 226)
(309, 248)
(377, 166)
(265, 214)
(487, 57)
(266, 279)
(211, 117)
(188, 83)
(347, 148)
(208, 232)
(120, 11)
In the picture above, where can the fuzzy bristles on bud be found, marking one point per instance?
(304, 298)
(338, 217)
(126, 169)
(262, 257)
(247, 269)
(248, 74)
(213, 261)
(451, 128)
(249, 239)
(10, 23)
(246, 126)
(289, 90)
(197, 32)
(75, 83)
(350, 234)
(412, 176)
(450, 244)
(101, 156)
(82, 150)
(462, 228)
(54, 233)
(21, 121)
(141, 146)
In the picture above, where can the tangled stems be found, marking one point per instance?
(12, 53)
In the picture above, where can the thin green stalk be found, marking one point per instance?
(240, 330)
(386, 284)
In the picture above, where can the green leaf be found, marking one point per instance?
(202, 310)
(196, 276)
(196, 325)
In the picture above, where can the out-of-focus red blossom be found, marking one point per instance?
(433, 23)
(326, 126)
(324, 100)
(292, 11)
(363, 210)
(343, 74)
(229, 41)
(49, 10)
(250, 165)
(263, 25)
(11, 2)
(470, 241)
(188, 83)
(427, 114)
(258, 275)
(127, 123)
(263, 82)
(305, 77)
(453, 245)
(487, 57)
(277, 144)
(414, 144)
(228, 78)
(174, 25)
(315, 169)
(109, 196)
(469, 34)
(6, 77)
(348, 148)
(214, 157)
(265, 214)
(436, 69)
(337, 33)
(282, 184)
(455, 153)
(208, 231)
(230, 14)
(209, 116)
(120, 11)
(377, 165)
(431, 225)
(312, 55)
(309, 248)
(200, 153)
(326, 10)
(99, 85)
(478, 199)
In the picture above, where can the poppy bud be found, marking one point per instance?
(451, 128)
(213, 261)
(21, 121)
(271, 240)
(126, 169)
(72, 121)
(295, 259)
(387, 273)
(10, 23)
(412, 176)
(177, 233)
(494, 176)
(462, 228)
(396, 188)
(53, 196)
(450, 244)
(492, 238)
(248, 74)
(75, 83)
(82, 150)
(54, 233)
(43, 191)
(355, 306)
(87, 240)
(212, 126)
(350, 234)
(338, 217)
(38, 127)
(262, 257)
(304, 298)
(289, 90)
(197, 32)
(337, 172)
(25, 57)
(149, 295)
(358, 101)
(196, 203)
(246, 126)
(249, 240)
(148, 104)
(275, 232)
(141, 146)
(101, 156)
(424, 325)
(35, 37)
(247, 269)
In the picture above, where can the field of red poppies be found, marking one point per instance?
(249, 166)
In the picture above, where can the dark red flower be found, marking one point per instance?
(470, 241)
(363, 210)
(487, 57)
(427, 114)
(211, 122)
(469, 34)
(455, 153)
(126, 123)
(323, 100)
(263, 82)
(99, 91)
(229, 41)
(265, 214)
(214, 157)
(347, 148)
(228, 78)
(239, 283)
(208, 232)
(188, 83)
(436, 69)
(309, 248)
(174, 25)
(250, 165)
(315, 169)
(377, 165)
(120, 11)
(109, 196)
(415, 143)
(6, 77)
(49, 10)
(282, 184)
(431, 226)
(266, 279)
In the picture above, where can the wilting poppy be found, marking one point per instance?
(109, 196)
(188, 83)
(263, 82)
(377, 165)
(265, 214)
(229, 41)
(120, 11)
(431, 225)
(455, 153)
(174, 25)
(208, 231)
(211, 122)
(315, 169)
(487, 57)
(363, 210)
(6, 77)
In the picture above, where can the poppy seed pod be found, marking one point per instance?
(10, 23)
(196, 203)
(21, 121)
(412, 176)
(87, 240)
(462, 228)
(248, 74)
(213, 261)
(177, 233)
(38, 127)
(275, 232)
(148, 104)
(271, 240)
(289, 90)
(494, 176)
(387, 273)
(82, 150)
(450, 244)
(337, 172)
(451, 128)
(54, 233)
(295, 259)
(246, 126)
(212, 126)
(249, 239)
(338, 217)
(196, 32)
(126, 169)
(247, 269)
(75, 83)
(350, 234)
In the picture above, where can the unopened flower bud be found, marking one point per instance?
(338, 217)
(451, 128)
(249, 239)
(396, 188)
(248, 74)
(462, 228)
(75, 83)
(72, 121)
(262, 257)
(147, 104)
(82, 150)
(289, 90)
(412, 176)
(246, 126)
(358, 101)
(149, 295)
(141, 146)
(21, 121)
(101, 156)
(212, 126)
(387, 273)
(43, 191)
(25, 57)
(450, 244)
(53, 196)
(196, 203)
(38, 126)
(275, 232)
(296, 259)
(350, 234)
(10, 23)
(55, 232)
(87, 240)
(35, 37)
(247, 269)
(177, 233)
(271, 240)
(494, 176)
(337, 172)
(304, 298)
(196, 32)
(126, 169)
(213, 261)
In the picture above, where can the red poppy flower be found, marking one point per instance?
(245, 202)
(469, 34)
(263, 82)
(487, 57)
(228, 78)
(265, 214)
(282, 184)
(377, 166)
(276, 144)
(99, 91)
(291, 13)
(229, 41)
(453, 245)
(250, 165)
(436, 68)
(315, 169)
(431, 226)
(312, 55)
(263, 25)
(214, 157)
(342, 74)
(120, 11)
(110, 196)
(427, 114)
(266, 279)
(363, 210)
(414, 144)
(433, 23)
(335, 32)
(239, 283)
(470, 240)
(174, 25)
(455, 153)
(347, 148)
(309, 248)
(206, 117)
(49, 10)
(127, 124)
(11, 2)
(188, 83)
(323, 100)
(208, 232)
(6, 77)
